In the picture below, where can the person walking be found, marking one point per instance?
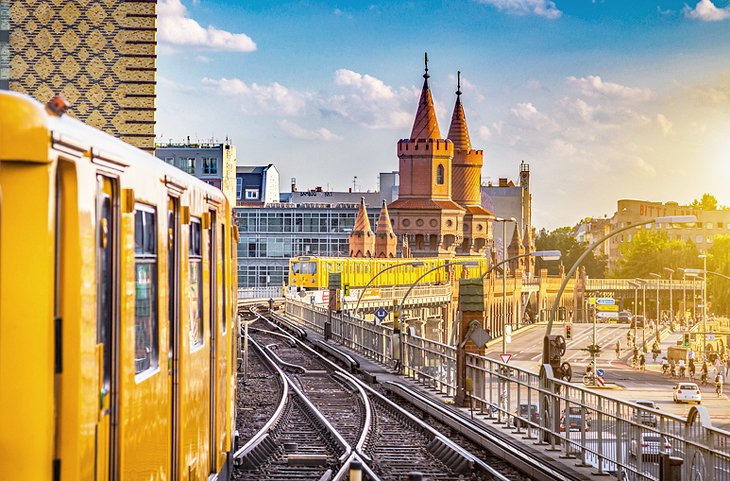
(618, 349)
(718, 384)
(727, 367)
(642, 362)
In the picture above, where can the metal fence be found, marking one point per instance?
(616, 437)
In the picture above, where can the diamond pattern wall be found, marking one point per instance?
(98, 54)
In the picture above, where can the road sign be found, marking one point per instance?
(600, 381)
(600, 372)
(494, 408)
(334, 280)
(605, 301)
(607, 307)
(381, 313)
(505, 357)
(591, 300)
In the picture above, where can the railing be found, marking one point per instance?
(259, 292)
(612, 435)
(651, 283)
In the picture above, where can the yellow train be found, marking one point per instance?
(311, 272)
(117, 308)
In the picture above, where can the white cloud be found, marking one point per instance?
(273, 98)
(664, 123)
(594, 86)
(203, 59)
(707, 11)
(299, 132)
(530, 117)
(176, 30)
(542, 8)
(341, 13)
(643, 165)
(484, 132)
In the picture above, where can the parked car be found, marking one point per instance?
(652, 446)
(645, 417)
(521, 414)
(573, 420)
(687, 392)
(625, 317)
(637, 321)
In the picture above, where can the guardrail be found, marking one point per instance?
(651, 283)
(615, 436)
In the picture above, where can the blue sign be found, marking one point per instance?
(600, 372)
(381, 313)
(606, 301)
(494, 408)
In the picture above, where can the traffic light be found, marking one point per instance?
(686, 339)
(568, 331)
(561, 313)
(346, 289)
(554, 349)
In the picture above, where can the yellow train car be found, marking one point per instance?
(117, 308)
(312, 273)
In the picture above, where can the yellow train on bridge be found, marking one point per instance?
(312, 273)
(117, 307)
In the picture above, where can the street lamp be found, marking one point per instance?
(704, 305)
(636, 284)
(504, 277)
(412, 264)
(550, 255)
(696, 272)
(678, 219)
(671, 288)
(658, 310)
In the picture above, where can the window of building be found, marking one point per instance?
(210, 166)
(698, 239)
(708, 225)
(720, 225)
(239, 187)
(195, 255)
(709, 239)
(440, 174)
(190, 165)
(170, 160)
(146, 329)
(252, 194)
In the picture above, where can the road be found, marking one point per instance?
(526, 348)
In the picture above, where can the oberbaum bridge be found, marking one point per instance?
(438, 334)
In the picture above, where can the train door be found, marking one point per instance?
(106, 326)
(212, 268)
(173, 355)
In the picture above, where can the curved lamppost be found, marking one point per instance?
(412, 264)
(679, 219)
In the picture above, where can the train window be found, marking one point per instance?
(146, 330)
(196, 284)
(295, 267)
(106, 279)
(307, 268)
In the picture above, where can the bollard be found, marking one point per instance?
(355, 471)
(415, 477)
(670, 468)
(327, 330)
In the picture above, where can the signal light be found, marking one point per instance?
(568, 331)
(686, 340)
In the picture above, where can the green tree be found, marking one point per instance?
(651, 251)
(708, 202)
(718, 288)
(562, 240)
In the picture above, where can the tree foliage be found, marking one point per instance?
(652, 251)
(718, 287)
(562, 240)
(707, 202)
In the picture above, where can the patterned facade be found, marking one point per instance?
(98, 54)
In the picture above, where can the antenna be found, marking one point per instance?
(458, 82)
(425, 75)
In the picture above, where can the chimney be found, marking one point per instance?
(293, 184)
(503, 181)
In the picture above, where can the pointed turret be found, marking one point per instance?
(362, 239)
(458, 131)
(385, 239)
(425, 126)
(515, 249)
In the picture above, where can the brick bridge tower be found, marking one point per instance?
(424, 211)
(467, 183)
(362, 238)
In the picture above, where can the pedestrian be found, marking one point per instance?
(642, 362)
(718, 385)
(618, 349)
(727, 367)
(691, 355)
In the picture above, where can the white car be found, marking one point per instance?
(687, 392)
(652, 445)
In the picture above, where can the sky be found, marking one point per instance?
(605, 99)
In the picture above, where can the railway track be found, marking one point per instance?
(390, 442)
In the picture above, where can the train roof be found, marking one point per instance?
(28, 131)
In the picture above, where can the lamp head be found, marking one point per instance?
(677, 221)
(551, 255)
(670, 270)
(654, 274)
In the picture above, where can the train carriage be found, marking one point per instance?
(117, 308)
